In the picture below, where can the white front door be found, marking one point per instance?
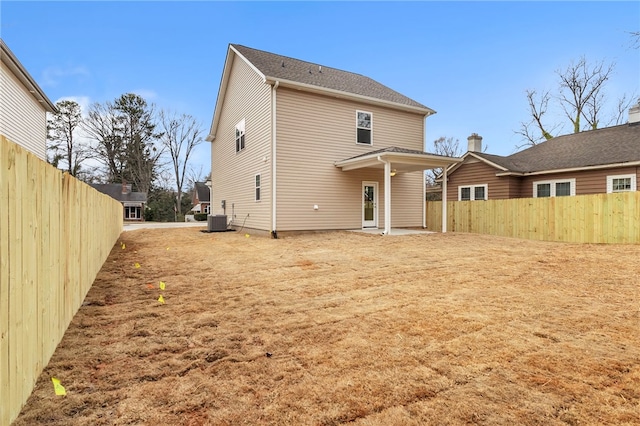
(369, 204)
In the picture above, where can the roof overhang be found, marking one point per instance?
(571, 170)
(401, 162)
(12, 62)
(346, 95)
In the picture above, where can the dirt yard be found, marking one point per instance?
(334, 328)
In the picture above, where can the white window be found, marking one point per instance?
(621, 183)
(240, 136)
(206, 209)
(554, 188)
(258, 187)
(363, 127)
(473, 192)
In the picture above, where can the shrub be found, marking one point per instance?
(200, 216)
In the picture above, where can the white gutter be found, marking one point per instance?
(387, 196)
(346, 95)
(573, 169)
(273, 159)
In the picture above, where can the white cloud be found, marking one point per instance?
(83, 101)
(147, 94)
(51, 76)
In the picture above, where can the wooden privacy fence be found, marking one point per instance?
(599, 218)
(55, 234)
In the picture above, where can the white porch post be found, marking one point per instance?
(444, 199)
(387, 198)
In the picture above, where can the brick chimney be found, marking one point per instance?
(475, 143)
(126, 189)
(634, 113)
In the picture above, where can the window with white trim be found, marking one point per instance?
(240, 136)
(364, 126)
(621, 183)
(473, 192)
(258, 186)
(554, 188)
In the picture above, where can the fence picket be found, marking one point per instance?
(598, 218)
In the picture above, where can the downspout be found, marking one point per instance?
(424, 182)
(387, 196)
(444, 199)
(274, 233)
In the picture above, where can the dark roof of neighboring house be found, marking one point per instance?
(114, 190)
(614, 145)
(202, 192)
(308, 73)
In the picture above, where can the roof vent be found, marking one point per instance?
(282, 64)
(319, 68)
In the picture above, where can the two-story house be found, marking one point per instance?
(298, 146)
(24, 106)
(591, 162)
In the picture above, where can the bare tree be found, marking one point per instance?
(581, 91)
(103, 126)
(61, 135)
(180, 135)
(580, 95)
(125, 137)
(538, 107)
(449, 147)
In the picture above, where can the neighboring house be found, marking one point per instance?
(301, 146)
(201, 198)
(591, 162)
(132, 202)
(24, 106)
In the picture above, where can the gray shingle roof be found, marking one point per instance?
(286, 68)
(610, 145)
(202, 191)
(114, 190)
(393, 149)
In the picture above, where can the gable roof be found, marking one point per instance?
(202, 192)
(114, 190)
(12, 62)
(615, 146)
(295, 73)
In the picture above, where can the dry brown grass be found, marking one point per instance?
(414, 330)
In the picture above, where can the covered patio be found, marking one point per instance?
(396, 160)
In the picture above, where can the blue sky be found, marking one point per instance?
(470, 61)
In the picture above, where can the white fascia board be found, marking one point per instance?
(573, 169)
(231, 54)
(425, 161)
(16, 67)
(345, 95)
(454, 167)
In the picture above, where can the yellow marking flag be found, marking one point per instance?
(57, 387)
(161, 299)
(136, 265)
(246, 235)
(162, 285)
(123, 246)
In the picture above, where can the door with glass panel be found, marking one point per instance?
(369, 204)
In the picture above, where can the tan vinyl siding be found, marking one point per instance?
(233, 174)
(22, 118)
(476, 172)
(315, 131)
(587, 182)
